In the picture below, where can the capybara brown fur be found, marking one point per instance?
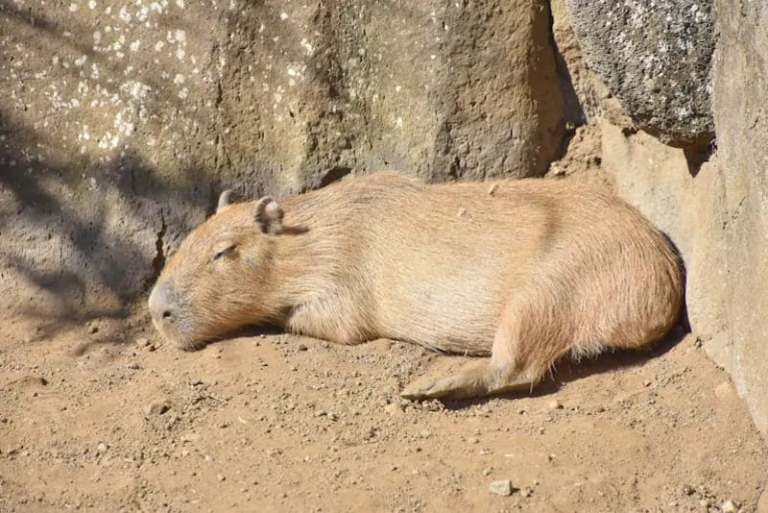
(526, 271)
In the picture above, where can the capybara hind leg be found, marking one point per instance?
(525, 346)
(476, 380)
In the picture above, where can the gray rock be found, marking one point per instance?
(585, 97)
(655, 58)
(503, 487)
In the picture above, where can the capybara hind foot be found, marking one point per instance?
(472, 381)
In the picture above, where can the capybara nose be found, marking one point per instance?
(162, 302)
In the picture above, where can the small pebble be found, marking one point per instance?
(503, 488)
(157, 408)
(554, 404)
(301, 347)
(220, 477)
(728, 507)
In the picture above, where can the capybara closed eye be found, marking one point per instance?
(526, 271)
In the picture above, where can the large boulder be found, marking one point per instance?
(121, 121)
(655, 58)
(740, 90)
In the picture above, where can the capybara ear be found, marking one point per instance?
(224, 199)
(269, 216)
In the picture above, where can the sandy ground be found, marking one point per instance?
(104, 417)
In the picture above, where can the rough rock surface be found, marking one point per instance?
(120, 122)
(655, 58)
(740, 99)
(585, 97)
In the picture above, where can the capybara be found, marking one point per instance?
(526, 271)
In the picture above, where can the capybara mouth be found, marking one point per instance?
(171, 335)
(196, 344)
(192, 344)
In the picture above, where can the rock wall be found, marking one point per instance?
(740, 98)
(712, 202)
(121, 121)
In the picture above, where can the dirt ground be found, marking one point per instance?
(104, 417)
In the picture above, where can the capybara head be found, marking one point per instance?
(215, 282)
